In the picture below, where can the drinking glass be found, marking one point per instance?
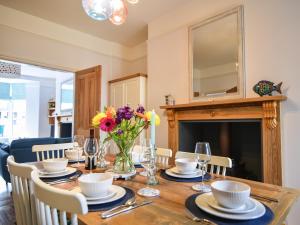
(203, 153)
(91, 149)
(78, 141)
(147, 160)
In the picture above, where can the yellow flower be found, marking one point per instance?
(96, 119)
(149, 115)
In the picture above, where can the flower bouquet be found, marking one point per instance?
(123, 127)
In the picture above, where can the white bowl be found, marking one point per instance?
(230, 194)
(55, 165)
(186, 165)
(73, 154)
(95, 184)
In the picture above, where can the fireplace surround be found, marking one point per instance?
(264, 109)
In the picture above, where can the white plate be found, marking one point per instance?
(202, 202)
(68, 171)
(82, 159)
(119, 193)
(45, 172)
(172, 174)
(175, 170)
(249, 206)
(111, 193)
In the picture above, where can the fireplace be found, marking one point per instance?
(220, 120)
(239, 140)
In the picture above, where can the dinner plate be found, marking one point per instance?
(172, 174)
(45, 172)
(68, 171)
(175, 170)
(249, 206)
(111, 193)
(202, 202)
(119, 193)
(82, 159)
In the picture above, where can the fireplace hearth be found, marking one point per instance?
(239, 140)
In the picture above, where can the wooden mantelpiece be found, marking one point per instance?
(267, 109)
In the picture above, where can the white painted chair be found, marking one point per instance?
(50, 200)
(51, 150)
(162, 155)
(218, 164)
(22, 192)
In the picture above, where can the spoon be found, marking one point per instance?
(128, 203)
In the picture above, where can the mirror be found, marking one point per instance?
(66, 96)
(216, 57)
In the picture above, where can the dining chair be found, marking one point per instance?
(22, 192)
(51, 150)
(53, 204)
(218, 164)
(162, 156)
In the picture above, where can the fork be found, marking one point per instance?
(191, 216)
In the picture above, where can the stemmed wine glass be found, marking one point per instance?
(203, 153)
(78, 141)
(91, 149)
(147, 160)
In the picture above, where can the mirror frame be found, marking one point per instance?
(241, 55)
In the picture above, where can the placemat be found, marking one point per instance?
(163, 174)
(76, 174)
(106, 206)
(194, 209)
(137, 166)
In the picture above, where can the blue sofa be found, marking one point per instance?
(21, 149)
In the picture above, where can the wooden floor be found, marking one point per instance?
(7, 214)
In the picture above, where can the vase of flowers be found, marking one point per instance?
(123, 127)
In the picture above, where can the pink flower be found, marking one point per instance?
(107, 124)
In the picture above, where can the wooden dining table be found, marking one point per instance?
(169, 207)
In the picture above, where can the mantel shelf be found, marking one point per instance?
(238, 101)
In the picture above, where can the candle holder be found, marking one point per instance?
(152, 168)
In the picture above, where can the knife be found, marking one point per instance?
(110, 214)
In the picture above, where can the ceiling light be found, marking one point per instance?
(98, 9)
(133, 1)
(120, 12)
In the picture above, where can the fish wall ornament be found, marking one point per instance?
(265, 87)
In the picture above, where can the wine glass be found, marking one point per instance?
(91, 149)
(147, 160)
(78, 141)
(203, 153)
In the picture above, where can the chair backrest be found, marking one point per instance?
(218, 164)
(51, 151)
(53, 204)
(162, 156)
(22, 192)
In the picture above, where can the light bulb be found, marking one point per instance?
(98, 9)
(133, 1)
(119, 13)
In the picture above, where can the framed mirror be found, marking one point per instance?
(66, 96)
(216, 57)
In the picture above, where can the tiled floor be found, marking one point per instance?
(7, 214)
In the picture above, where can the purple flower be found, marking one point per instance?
(140, 109)
(124, 113)
(119, 132)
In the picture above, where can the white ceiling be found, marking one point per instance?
(70, 14)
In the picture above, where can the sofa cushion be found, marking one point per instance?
(4, 147)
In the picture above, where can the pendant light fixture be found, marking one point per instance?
(114, 10)
(119, 13)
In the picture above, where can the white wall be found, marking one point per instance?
(272, 35)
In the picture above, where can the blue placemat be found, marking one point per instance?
(163, 174)
(137, 166)
(193, 208)
(77, 174)
(106, 206)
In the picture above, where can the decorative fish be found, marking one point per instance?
(265, 87)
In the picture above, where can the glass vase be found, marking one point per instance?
(123, 162)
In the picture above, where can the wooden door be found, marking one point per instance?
(87, 99)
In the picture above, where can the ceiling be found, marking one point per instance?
(70, 14)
